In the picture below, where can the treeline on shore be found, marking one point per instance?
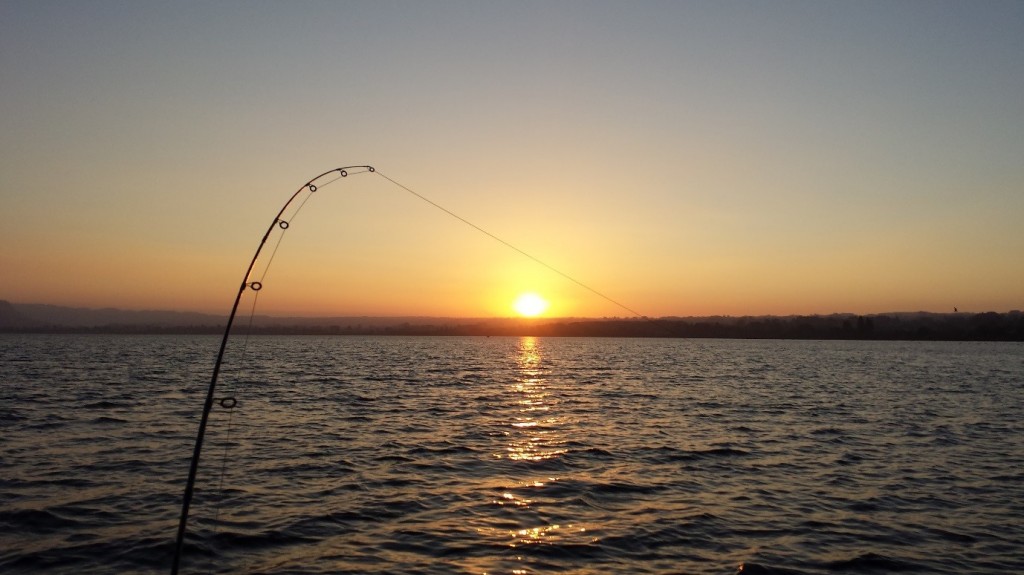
(989, 326)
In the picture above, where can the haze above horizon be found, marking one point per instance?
(684, 159)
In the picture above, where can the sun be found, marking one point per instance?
(530, 305)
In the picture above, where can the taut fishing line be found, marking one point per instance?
(281, 223)
(512, 247)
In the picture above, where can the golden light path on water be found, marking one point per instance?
(536, 432)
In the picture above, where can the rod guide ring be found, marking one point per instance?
(228, 402)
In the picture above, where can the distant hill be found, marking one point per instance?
(987, 326)
(10, 317)
(55, 315)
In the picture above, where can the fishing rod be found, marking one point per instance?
(256, 285)
(230, 402)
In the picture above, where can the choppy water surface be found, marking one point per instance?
(514, 456)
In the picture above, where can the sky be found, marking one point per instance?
(676, 158)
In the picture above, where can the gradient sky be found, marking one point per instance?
(683, 158)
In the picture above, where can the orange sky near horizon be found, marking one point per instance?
(683, 160)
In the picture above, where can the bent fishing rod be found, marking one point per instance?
(229, 402)
(255, 285)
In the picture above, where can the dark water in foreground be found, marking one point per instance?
(514, 456)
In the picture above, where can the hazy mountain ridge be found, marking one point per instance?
(10, 317)
(921, 325)
(15, 315)
(53, 315)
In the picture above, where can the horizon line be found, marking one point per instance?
(325, 315)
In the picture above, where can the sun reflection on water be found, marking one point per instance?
(536, 434)
(553, 534)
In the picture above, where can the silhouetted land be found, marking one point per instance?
(988, 326)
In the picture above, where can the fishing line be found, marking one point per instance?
(285, 223)
(512, 247)
(229, 402)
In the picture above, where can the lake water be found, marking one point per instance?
(513, 455)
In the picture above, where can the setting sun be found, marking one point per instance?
(530, 305)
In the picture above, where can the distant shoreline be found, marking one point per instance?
(919, 326)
